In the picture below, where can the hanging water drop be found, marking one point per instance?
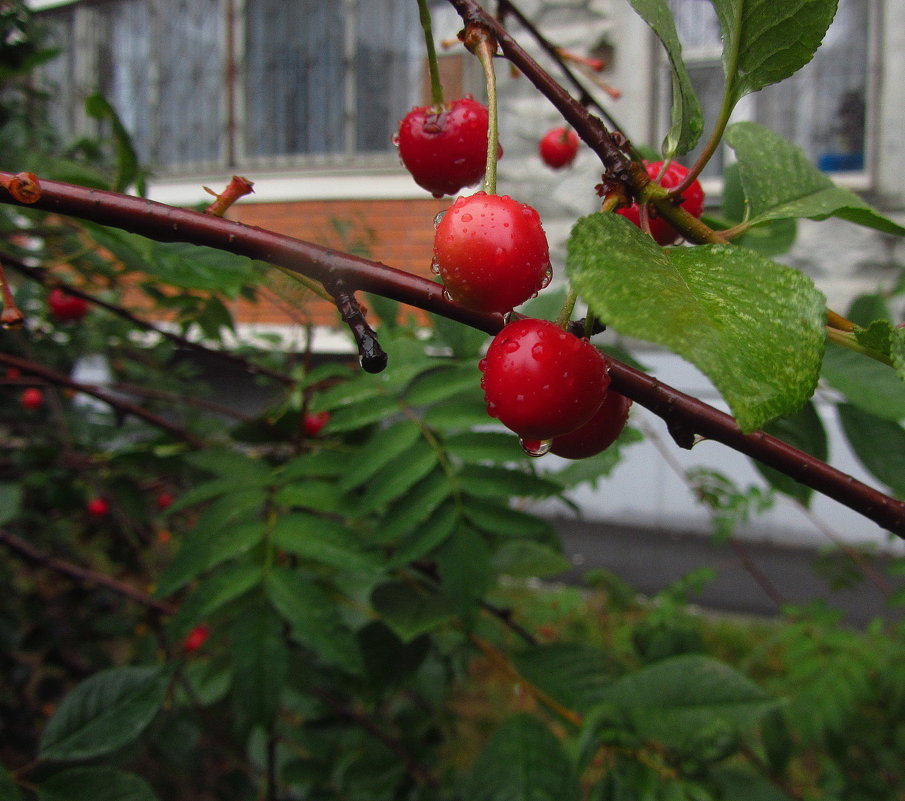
(438, 219)
(536, 447)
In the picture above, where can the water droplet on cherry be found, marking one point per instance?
(435, 267)
(536, 447)
(438, 219)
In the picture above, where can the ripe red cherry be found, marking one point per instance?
(445, 150)
(196, 638)
(558, 147)
(97, 507)
(65, 307)
(693, 202)
(314, 422)
(165, 500)
(491, 252)
(541, 381)
(601, 431)
(32, 398)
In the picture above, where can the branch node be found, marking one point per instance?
(371, 356)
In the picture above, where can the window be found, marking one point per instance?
(821, 107)
(202, 84)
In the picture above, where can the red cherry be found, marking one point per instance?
(196, 638)
(13, 373)
(559, 147)
(314, 422)
(541, 381)
(445, 150)
(32, 398)
(65, 307)
(598, 433)
(491, 252)
(165, 500)
(693, 202)
(97, 507)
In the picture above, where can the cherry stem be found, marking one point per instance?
(847, 340)
(432, 65)
(479, 40)
(568, 306)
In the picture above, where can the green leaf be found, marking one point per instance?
(529, 559)
(672, 700)
(398, 477)
(763, 44)
(104, 713)
(204, 549)
(496, 517)
(442, 383)
(754, 327)
(427, 536)
(483, 481)
(687, 117)
(389, 661)
(574, 674)
(523, 761)
(213, 594)
(260, 661)
(8, 789)
(314, 619)
(127, 169)
(10, 502)
(739, 782)
(324, 541)
(781, 183)
(866, 383)
(320, 496)
(375, 410)
(803, 430)
(381, 448)
(879, 445)
(485, 446)
(95, 784)
(459, 414)
(408, 612)
(198, 267)
(464, 566)
(419, 503)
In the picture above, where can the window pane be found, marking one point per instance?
(57, 77)
(294, 77)
(189, 46)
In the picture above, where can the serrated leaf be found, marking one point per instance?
(427, 536)
(781, 183)
(459, 414)
(320, 496)
(687, 116)
(382, 447)
(127, 168)
(866, 383)
(897, 351)
(465, 572)
(803, 430)
(313, 617)
(485, 446)
(764, 44)
(323, 463)
(529, 559)
(414, 507)
(212, 594)
(755, 328)
(95, 784)
(10, 501)
(879, 445)
(324, 541)
(485, 481)
(260, 663)
(104, 713)
(442, 383)
(523, 761)
(397, 477)
(408, 612)
(672, 700)
(574, 674)
(498, 518)
(374, 410)
(204, 549)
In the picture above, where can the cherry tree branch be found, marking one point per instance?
(683, 414)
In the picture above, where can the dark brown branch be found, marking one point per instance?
(82, 574)
(124, 407)
(329, 266)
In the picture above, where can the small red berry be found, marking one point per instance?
(13, 373)
(558, 147)
(541, 381)
(601, 431)
(491, 252)
(196, 638)
(165, 500)
(32, 398)
(97, 507)
(692, 201)
(446, 149)
(65, 307)
(314, 422)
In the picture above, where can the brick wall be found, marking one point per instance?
(399, 233)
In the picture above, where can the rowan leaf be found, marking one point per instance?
(755, 328)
